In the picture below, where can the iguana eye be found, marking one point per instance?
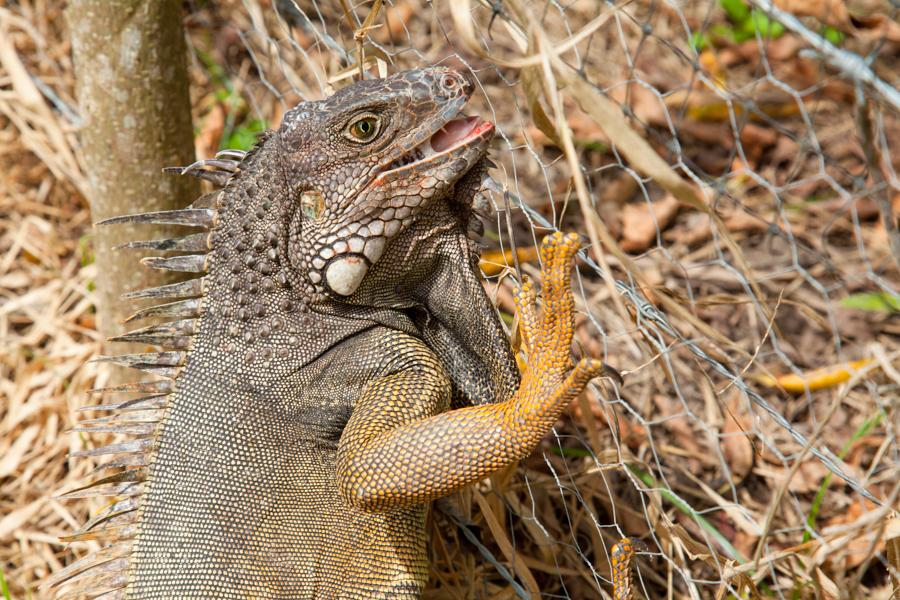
(364, 129)
(312, 204)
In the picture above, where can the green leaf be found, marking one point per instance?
(4, 589)
(86, 249)
(571, 452)
(816, 505)
(698, 41)
(737, 10)
(873, 302)
(832, 35)
(765, 26)
(244, 136)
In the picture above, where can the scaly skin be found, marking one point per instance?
(343, 367)
(386, 460)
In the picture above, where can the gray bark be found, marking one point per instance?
(132, 86)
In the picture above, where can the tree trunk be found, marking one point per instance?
(132, 86)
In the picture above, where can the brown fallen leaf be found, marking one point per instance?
(836, 14)
(743, 221)
(875, 28)
(643, 103)
(397, 16)
(829, 12)
(207, 142)
(755, 139)
(736, 446)
(641, 222)
(860, 548)
(694, 228)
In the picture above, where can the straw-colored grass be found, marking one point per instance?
(727, 190)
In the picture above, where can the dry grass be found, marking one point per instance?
(740, 202)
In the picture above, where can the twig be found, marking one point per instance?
(880, 187)
(849, 64)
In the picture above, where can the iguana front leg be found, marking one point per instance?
(390, 456)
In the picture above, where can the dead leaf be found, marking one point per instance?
(643, 103)
(861, 547)
(641, 222)
(875, 28)
(207, 142)
(741, 220)
(396, 17)
(829, 12)
(736, 446)
(809, 477)
(835, 13)
(15, 453)
(756, 139)
(693, 229)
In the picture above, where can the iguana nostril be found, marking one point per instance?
(468, 83)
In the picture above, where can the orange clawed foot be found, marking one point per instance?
(549, 381)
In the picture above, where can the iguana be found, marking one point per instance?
(338, 365)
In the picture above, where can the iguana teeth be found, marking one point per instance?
(181, 308)
(191, 287)
(198, 242)
(193, 217)
(192, 263)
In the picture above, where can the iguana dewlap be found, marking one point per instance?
(337, 366)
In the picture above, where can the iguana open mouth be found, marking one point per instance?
(455, 134)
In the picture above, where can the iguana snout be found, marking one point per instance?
(366, 161)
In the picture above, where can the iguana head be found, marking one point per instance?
(363, 163)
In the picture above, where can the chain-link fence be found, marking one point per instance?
(730, 167)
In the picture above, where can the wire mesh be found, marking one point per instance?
(733, 258)
(732, 168)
